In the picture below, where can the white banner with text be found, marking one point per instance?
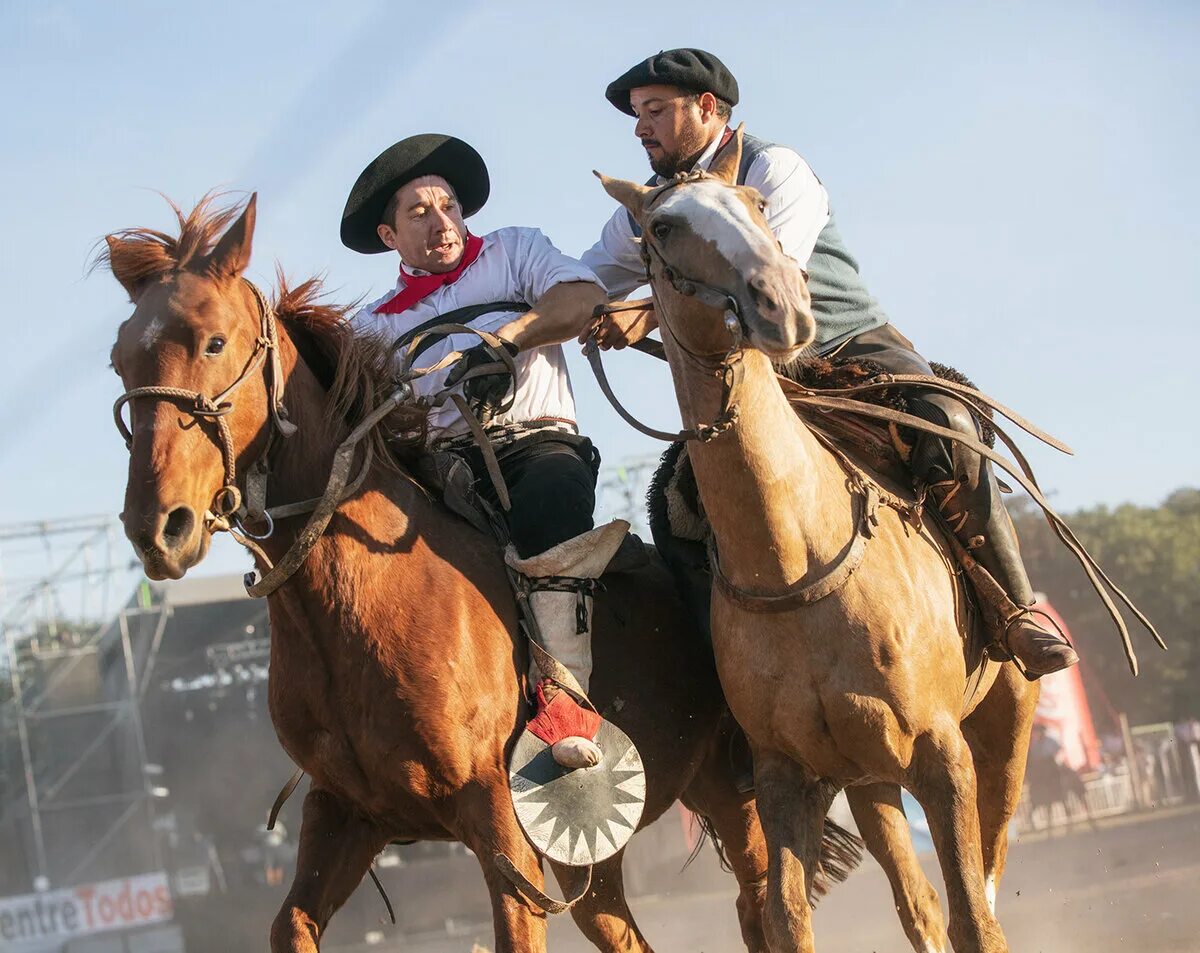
(41, 919)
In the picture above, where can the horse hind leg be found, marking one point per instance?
(336, 850)
(732, 820)
(942, 778)
(879, 814)
(998, 732)
(602, 914)
(792, 804)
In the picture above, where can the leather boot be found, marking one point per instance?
(560, 583)
(968, 496)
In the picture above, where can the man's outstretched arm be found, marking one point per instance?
(561, 314)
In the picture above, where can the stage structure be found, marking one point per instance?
(76, 791)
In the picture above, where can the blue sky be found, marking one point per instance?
(1018, 181)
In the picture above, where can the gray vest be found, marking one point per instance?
(841, 303)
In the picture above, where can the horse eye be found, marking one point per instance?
(216, 344)
(661, 230)
(762, 206)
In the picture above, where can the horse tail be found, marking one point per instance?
(841, 853)
(708, 833)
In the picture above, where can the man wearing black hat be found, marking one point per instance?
(682, 100)
(413, 199)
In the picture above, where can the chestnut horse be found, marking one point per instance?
(838, 626)
(394, 649)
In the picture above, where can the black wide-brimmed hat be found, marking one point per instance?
(694, 70)
(408, 159)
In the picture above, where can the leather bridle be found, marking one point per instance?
(729, 369)
(228, 511)
(227, 508)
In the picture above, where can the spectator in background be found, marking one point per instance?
(1052, 781)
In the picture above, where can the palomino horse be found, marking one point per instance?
(394, 650)
(844, 673)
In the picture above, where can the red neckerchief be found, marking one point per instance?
(418, 287)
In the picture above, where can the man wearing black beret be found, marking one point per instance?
(682, 100)
(413, 199)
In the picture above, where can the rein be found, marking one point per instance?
(336, 489)
(862, 485)
(729, 369)
(227, 503)
(229, 513)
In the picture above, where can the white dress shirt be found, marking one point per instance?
(515, 264)
(797, 210)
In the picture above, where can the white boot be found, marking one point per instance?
(564, 618)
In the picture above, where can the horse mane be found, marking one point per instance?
(356, 369)
(142, 254)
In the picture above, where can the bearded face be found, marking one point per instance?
(674, 126)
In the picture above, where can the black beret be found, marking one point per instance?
(411, 158)
(693, 70)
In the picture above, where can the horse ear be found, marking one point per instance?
(629, 194)
(728, 160)
(231, 256)
(132, 263)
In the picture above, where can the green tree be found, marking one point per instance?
(1153, 554)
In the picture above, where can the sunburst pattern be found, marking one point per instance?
(582, 816)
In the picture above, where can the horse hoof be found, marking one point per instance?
(576, 752)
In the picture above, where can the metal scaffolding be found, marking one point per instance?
(75, 798)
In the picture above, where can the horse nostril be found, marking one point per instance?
(178, 527)
(761, 296)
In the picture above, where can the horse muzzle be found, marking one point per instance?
(777, 313)
(169, 540)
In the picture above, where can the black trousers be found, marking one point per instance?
(551, 481)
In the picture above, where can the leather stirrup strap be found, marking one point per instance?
(544, 902)
(281, 798)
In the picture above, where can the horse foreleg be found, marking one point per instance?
(336, 850)
(602, 915)
(998, 732)
(942, 778)
(792, 804)
(879, 814)
(490, 828)
(734, 819)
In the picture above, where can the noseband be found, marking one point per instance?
(227, 503)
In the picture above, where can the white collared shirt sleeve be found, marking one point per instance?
(797, 203)
(365, 320)
(617, 258)
(539, 266)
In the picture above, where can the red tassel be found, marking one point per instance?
(563, 717)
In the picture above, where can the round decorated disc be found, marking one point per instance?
(584, 815)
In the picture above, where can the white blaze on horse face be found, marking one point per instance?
(717, 214)
(152, 332)
(989, 890)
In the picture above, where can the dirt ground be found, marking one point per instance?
(1130, 885)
